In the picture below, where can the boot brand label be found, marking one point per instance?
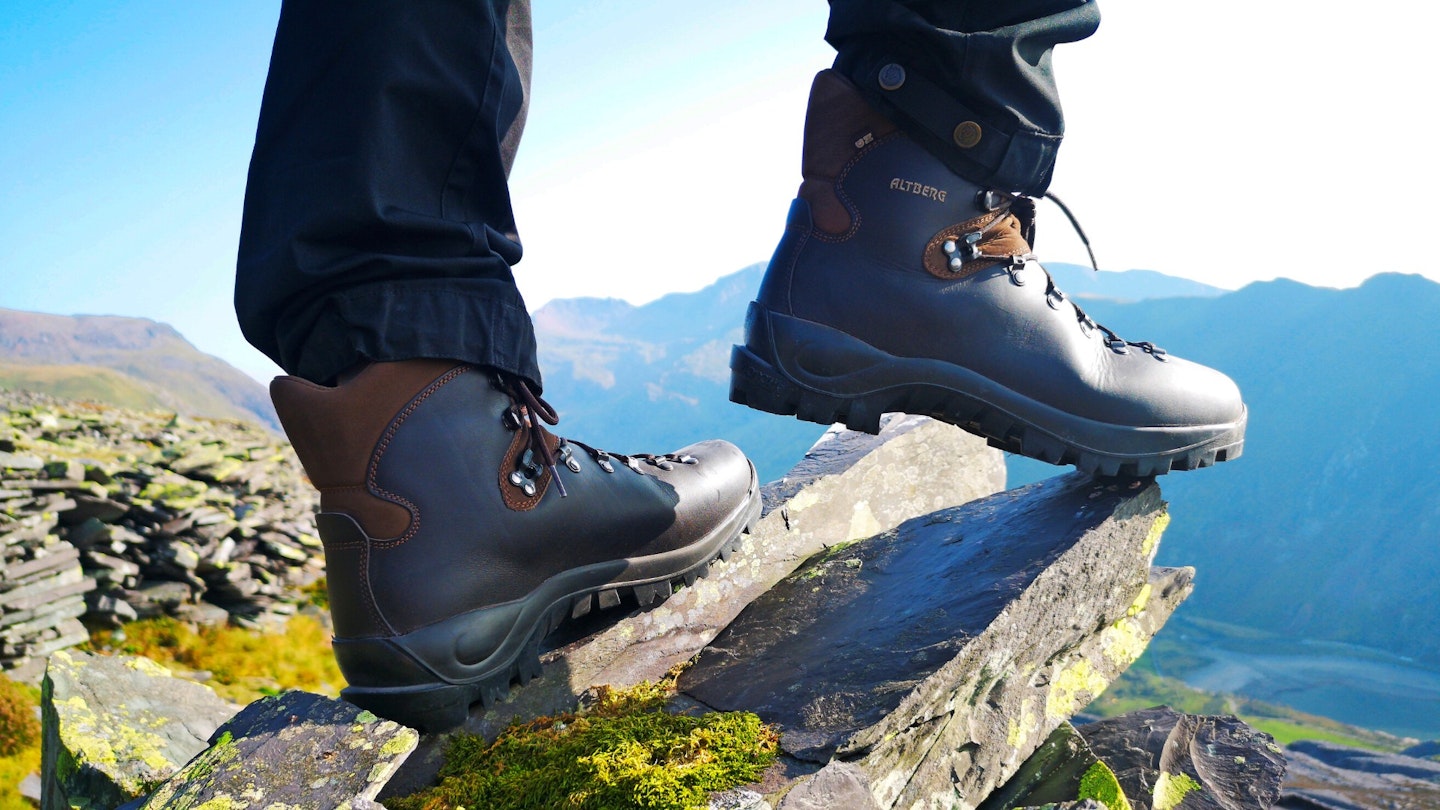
(929, 192)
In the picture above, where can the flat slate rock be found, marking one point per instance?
(1167, 760)
(1326, 776)
(292, 750)
(937, 656)
(113, 727)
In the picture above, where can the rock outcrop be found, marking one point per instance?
(111, 515)
(929, 661)
(291, 750)
(115, 727)
(913, 652)
(1327, 776)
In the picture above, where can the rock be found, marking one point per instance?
(1425, 750)
(850, 485)
(1358, 759)
(291, 750)
(738, 799)
(87, 507)
(158, 511)
(30, 788)
(1165, 759)
(960, 640)
(838, 784)
(1051, 776)
(114, 727)
(1325, 776)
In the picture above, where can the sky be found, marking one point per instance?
(1226, 142)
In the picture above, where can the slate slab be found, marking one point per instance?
(114, 727)
(297, 750)
(1325, 776)
(1168, 760)
(937, 656)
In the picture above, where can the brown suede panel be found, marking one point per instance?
(335, 432)
(998, 244)
(379, 518)
(839, 125)
(515, 497)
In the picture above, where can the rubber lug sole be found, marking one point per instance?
(760, 383)
(442, 703)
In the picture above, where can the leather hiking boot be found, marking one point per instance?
(458, 531)
(900, 286)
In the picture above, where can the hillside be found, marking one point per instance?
(128, 362)
(1322, 529)
(654, 378)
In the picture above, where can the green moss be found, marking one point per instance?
(1099, 783)
(1172, 788)
(624, 752)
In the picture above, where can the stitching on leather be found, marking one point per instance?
(845, 198)
(384, 445)
(369, 597)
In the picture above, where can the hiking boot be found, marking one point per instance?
(901, 286)
(458, 531)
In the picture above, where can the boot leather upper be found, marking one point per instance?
(411, 452)
(863, 272)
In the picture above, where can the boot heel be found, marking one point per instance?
(394, 685)
(427, 708)
(754, 383)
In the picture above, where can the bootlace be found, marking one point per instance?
(530, 413)
(1024, 212)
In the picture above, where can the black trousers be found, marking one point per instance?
(377, 222)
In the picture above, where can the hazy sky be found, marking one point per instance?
(1225, 142)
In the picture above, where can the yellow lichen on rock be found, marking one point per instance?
(1152, 539)
(1072, 689)
(1172, 788)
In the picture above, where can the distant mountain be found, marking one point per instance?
(1328, 528)
(129, 362)
(654, 378)
(1125, 285)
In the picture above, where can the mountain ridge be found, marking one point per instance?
(152, 363)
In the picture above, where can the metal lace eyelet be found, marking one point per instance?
(1118, 346)
(1055, 298)
(567, 457)
(606, 465)
(510, 420)
(527, 486)
(688, 460)
(527, 463)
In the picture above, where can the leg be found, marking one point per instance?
(905, 279)
(377, 217)
(376, 249)
(983, 62)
